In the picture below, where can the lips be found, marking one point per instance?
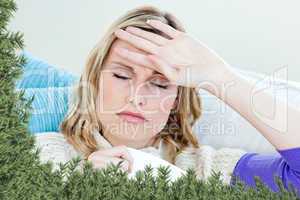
(132, 117)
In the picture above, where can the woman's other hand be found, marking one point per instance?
(102, 158)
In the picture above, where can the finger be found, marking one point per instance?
(136, 41)
(152, 37)
(99, 162)
(126, 166)
(170, 72)
(165, 28)
(102, 161)
(116, 161)
(136, 58)
(140, 59)
(100, 156)
(127, 156)
(122, 163)
(118, 151)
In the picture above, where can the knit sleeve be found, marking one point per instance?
(221, 160)
(54, 147)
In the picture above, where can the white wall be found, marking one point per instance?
(251, 34)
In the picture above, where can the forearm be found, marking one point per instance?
(278, 123)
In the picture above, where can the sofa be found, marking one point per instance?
(219, 125)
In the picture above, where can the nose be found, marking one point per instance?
(136, 100)
(136, 96)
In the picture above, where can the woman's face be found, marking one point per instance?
(126, 87)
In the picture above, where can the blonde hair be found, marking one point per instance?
(77, 126)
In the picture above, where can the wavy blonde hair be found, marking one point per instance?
(77, 126)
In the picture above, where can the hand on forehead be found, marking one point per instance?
(114, 57)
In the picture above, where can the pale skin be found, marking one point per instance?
(188, 62)
(152, 95)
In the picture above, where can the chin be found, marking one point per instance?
(135, 143)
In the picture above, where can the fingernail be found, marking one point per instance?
(118, 31)
(132, 28)
(148, 21)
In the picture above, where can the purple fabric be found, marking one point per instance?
(283, 163)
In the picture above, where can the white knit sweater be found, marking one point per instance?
(54, 147)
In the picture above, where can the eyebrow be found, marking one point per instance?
(133, 71)
(122, 65)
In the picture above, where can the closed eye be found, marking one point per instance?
(120, 77)
(126, 78)
(160, 86)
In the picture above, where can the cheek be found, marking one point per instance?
(165, 102)
(110, 98)
(163, 108)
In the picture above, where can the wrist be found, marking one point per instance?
(219, 81)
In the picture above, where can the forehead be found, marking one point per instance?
(113, 57)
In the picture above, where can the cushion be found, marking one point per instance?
(51, 88)
(39, 74)
(49, 107)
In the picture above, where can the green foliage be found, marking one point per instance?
(23, 176)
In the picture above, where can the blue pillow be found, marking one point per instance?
(40, 74)
(49, 108)
(51, 88)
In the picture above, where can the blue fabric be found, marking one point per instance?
(49, 107)
(39, 74)
(284, 164)
(51, 88)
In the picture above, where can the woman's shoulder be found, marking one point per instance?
(54, 147)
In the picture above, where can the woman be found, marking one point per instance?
(139, 90)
